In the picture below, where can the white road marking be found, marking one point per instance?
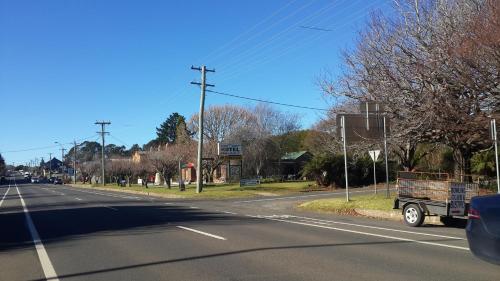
(193, 207)
(1, 201)
(111, 208)
(168, 203)
(107, 194)
(201, 232)
(48, 269)
(303, 196)
(371, 234)
(231, 213)
(79, 199)
(319, 221)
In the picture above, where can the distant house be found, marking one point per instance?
(138, 155)
(54, 164)
(292, 163)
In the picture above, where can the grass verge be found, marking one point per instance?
(220, 191)
(341, 206)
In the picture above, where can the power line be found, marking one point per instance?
(42, 147)
(266, 101)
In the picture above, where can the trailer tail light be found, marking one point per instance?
(474, 214)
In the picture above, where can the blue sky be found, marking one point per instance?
(65, 64)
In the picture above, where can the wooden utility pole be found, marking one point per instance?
(203, 85)
(102, 132)
(74, 162)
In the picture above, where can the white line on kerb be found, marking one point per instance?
(201, 232)
(1, 201)
(48, 269)
(373, 234)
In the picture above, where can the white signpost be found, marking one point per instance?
(457, 202)
(495, 143)
(374, 155)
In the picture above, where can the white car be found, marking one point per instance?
(34, 180)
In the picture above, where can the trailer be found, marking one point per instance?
(433, 194)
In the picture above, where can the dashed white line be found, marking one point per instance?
(79, 199)
(48, 268)
(193, 207)
(3, 198)
(231, 213)
(201, 232)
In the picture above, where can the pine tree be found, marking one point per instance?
(167, 131)
(182, 134)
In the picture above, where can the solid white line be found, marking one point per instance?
(48, 269)
(201, 232)
(373, 234)
(1, 201)
(375, 227)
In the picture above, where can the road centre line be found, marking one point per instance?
(371, 234)
(201, 232)
(302, 196)
(1, 201)
(373, 227)
(47, 267)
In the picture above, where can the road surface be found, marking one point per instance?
(64, 233)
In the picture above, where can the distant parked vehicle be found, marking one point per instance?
(35, 180)
(483, 228)
(58, 181)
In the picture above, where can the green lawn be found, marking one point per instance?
(223, 190)
(340, 206)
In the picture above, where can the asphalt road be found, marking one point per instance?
(65, 233)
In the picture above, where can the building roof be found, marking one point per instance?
(294, 155)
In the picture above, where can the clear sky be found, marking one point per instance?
(65, 64)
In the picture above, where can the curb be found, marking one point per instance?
(394, 215)
(152, 194)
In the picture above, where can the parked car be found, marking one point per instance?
(35, 180)
(58, 181)
(483, 227)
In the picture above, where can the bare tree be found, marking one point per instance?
(421, 65)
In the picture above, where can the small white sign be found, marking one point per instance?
(374, 154)
(457, 202)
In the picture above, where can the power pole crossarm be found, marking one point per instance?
(102, 132)
(203, 85)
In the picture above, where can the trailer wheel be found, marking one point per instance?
(413, 216)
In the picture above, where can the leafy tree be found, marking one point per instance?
(2, 165)
(166, 133)
(483, 163)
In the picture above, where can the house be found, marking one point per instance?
(292, 163)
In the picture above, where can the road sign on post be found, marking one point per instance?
(374, 155)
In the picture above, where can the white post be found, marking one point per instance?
(342, 121)
(374, 173)
(386, 162)
(494, 138)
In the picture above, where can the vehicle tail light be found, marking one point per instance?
(474, 214)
